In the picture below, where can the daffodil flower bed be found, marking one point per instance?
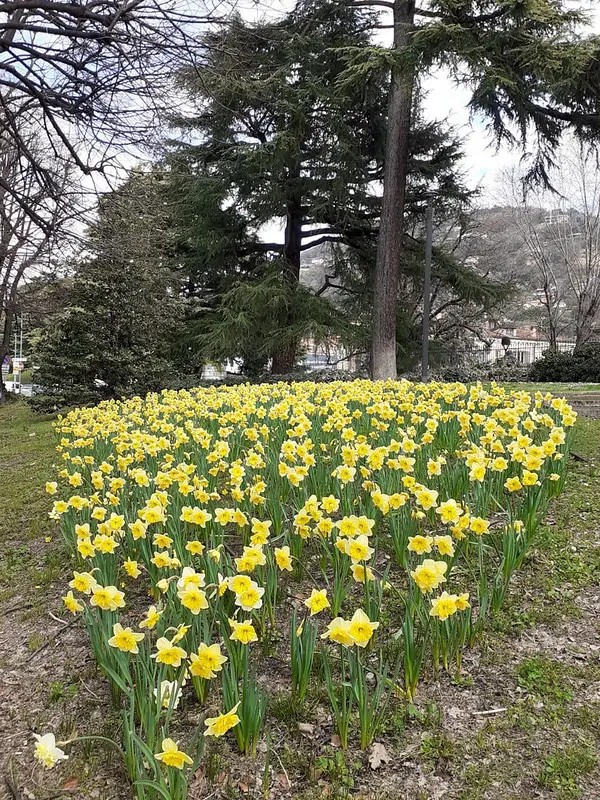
(367, 527)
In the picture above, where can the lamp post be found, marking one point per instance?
(427, 292)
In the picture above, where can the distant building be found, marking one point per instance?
(330, 355)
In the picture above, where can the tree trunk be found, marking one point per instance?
(587, 311)
(582, 326)
(549, 304)
(3, 393)
(284, 357)
(389, 245)
(4, 351)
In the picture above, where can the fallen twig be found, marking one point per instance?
(87, 688)
(577, 457)
(50, 640)
(489, 712)
(287, 777)
(58, 619)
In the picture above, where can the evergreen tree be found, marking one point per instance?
(115, 336)
(277, 141)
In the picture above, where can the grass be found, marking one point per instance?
(545, 678)
(544, 745)
(564, 768)
(26, 457)
(437, 746)
(58, 691)
(555, 388)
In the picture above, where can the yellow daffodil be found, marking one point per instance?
(131, 568)
(449, 511)
(240, 583)
(85, 548)
(317, 601)
(251, 598)
(83, 582)
(361, 629)
(243, 632)
(207, 661)
(71, 603)
(444, 545)
(171, 756)
(444, 606)
(168, 653)
(218, 726)
(108, 598)
(360, 574)
(338, 631)
(529, 478)
(358, 549)
(193, 598)
(479, 525)
(125, 639)
(283, 558)
(195, 547)
(151, 619)
(420, 544)
(429, 574)
(513, 484)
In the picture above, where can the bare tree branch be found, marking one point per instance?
(31, 222)
(89, 76)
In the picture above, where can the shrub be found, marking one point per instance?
(581, 366)
(507, 370)
(469, 370)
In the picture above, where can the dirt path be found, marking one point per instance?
(48, 680)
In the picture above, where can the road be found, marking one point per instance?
(26, 388)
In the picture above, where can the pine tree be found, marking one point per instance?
(278, 140)
(115, 336)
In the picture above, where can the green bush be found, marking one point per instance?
(506, 370)
(581, 366)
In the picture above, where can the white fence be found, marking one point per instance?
(524, 351)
